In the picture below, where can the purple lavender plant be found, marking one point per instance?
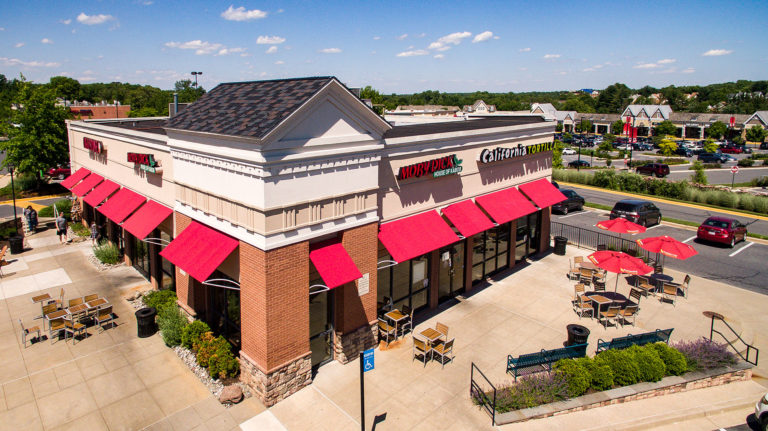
(703, 354)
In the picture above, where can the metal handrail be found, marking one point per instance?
(476, 391)
(750, 347)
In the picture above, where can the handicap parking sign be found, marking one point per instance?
(368, 360)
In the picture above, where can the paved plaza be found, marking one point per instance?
(113, 380)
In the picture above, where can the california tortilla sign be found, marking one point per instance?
(501, 153)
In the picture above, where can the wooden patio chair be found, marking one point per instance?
(585, 276)
(104, 315)
(60, 299)
(74, 328)
(610, 314)
(685, 285)
(573, 273)
(669, 291)
(441, 328)
(25, 332)
(598, 278)
(55, 326)
(386, 331)
(579, 290)
(407, 326)
(636, 294)
(578, 260)
(598, 287)
(583, 305)
(643, 283)
(602, 247)
(629, 312)
(48, 309)
(443, 350)
(421, 348)
(91, 297)
(74, 301)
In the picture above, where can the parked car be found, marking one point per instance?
(710, 158)
(644, 213)
(627, 147)
(660, 170)
(728, 158)
(764, 146)
(723, 230)
(568, 151)
(574, 202)
(578, 164)
(685, 152)
(731, 149)
(745, 149)
(761, 412)
(59, 172)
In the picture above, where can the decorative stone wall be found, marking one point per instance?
(347, 347)
(278, 384)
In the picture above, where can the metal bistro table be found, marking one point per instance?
(659, 279)
(606, 298)
(431, 335)
(397, 317)
(42, 299)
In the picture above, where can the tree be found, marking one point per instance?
(374, 96)
(584, 126)
(710, 146)
(716, 130)
(756, 134)
(557, 155)
(37, 134)
(65, 87)
(559, 128)
(613, 99)
(699, 176)
(666, 127)
(143, 112)
(187, 91)
(667, 146)
(617, 127)
(609, 138)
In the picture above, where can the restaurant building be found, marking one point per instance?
(289, 213)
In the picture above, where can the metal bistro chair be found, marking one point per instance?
(629, 312)
(74, 328)
(91, 297)
(610, 314)
(598, 280)
(386, 331)
(421, 348)
(583, 305)
(407, 326)
(104, 315)
(669, 291)
(25, 332)
(443, 350)
(585, 276)
(55, 326)
(573, 273)
(636, 295)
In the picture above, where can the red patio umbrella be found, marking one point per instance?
(620, 263)
(621, 225)
(667, 246)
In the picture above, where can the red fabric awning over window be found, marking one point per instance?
(87, 184)
(467, 218)
(199, 250)
(505, 205)
(121, 205)
(542, 193)
(416, 235)
(75, 178)
(101, 192)
(334, 265)
(146, 219)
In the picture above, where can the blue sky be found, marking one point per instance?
(393, 46)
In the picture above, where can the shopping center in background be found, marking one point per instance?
(286, 213)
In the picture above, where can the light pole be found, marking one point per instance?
(195, 75)
(13, 193)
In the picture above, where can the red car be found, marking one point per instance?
(722, 230)
(731, 149)
(60, 172)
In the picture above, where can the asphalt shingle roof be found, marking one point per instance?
(250, 109)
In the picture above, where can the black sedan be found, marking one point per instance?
(574, 202)
(578, 164)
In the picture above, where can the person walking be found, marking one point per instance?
(33, 220)
(61, 228)
(27, 212)
(94, 232)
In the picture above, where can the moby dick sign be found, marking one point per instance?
(439, 167)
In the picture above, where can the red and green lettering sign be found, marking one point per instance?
(443, 166)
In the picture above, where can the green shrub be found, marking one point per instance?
(171, 323)
(64, 206)
(576, 375)
(602, 377)
(531, 391)
(216, 355)
(674, 361)
(622, 364)
(160, 299)
(80, 230)
(761, 204)
(745, 162)
(652, 368)
(107, 253)
(192, 334)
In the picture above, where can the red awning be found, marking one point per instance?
(505, 205)
(199, 250)
(416, 235)
(334, 265)
(467, 218)
(75, 178)
(542, 193)
(101, 192)
(121, 205)
(87, 184)
(146, 219)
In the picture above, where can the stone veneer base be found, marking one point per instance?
(347, 347)
(278, 384)
(668, 385)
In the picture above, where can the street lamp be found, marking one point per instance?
(195, 75)
(13, 193)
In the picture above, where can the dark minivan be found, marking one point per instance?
(641, 212)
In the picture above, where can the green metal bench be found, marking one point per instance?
(530, 363)
(659, 335)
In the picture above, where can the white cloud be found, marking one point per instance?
(551, 56)
(646, 66)
(330, 50)
(667, 61)
(19, 45)
(241, 14)
(524, 50)
(421, 35)
(93, 19)
(593, 68)
(376, 37)
(717, 52)
(225, 51)
(439, 56)
(16, 62)
(482, 37)
(270, 40)
(688, 70)
(86, 78)
(442, 43)
(271, 50)
(279, 62)
(200, 47)
(47, 41)
(65, 21)
(413, 53)
(402, 36)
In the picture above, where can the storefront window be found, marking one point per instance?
(406, 283)
(489, 252)
(320, 321)
(223, 312)
(168, 272)
(527, 236)
(451, 273)
(140, 255)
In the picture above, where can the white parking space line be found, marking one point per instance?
(569, 215)
(658, 225)
(693, 237)
(741, 249)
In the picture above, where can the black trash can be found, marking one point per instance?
(560, 242)
(16, 244)
(145, 322)
(577, 334)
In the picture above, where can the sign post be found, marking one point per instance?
(734, 171)
(366, 364)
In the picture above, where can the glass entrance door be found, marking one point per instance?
(321, 327)
(521, 239)
(451, 276)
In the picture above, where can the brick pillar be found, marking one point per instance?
(275, 360)
(434, 278)
(468, 264)
(128, 241)
(355, 320)
(512, 243)
(184, 283)
(544, 230)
